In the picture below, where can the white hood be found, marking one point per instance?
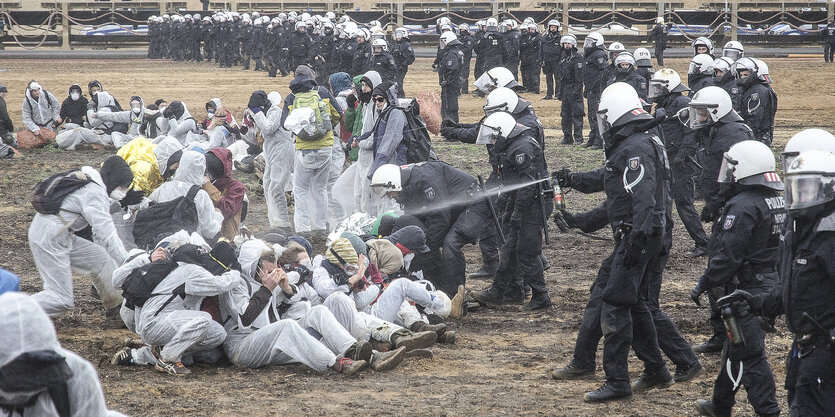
(25, 327)
(164, 149)
(192, 168)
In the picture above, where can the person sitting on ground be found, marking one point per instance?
(76, 131)
(180, 124)
(148, 161)
(133, 118)
(74, 108)
(40, 111)
(6, 125)
(227, 194)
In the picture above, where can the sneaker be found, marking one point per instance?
(684, 374)
(411, 341)
(386, 361)
(573, 372)
(448, 338)
(348, 367)
(606, 393)
(360, 351)
(420, 326)
(458, 310)
(123, 357)
(648, 381)
(420, 354)
(162, 365)
(696, 252)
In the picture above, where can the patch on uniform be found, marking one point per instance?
(520, 159)
(729, 222)
(580, 65)
(634, 163)
(601, 60)
(734, 90)
(755, 96)
(430, 193)
(449, 62)
(643, 86)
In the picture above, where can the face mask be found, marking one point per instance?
(161, 109)
(118, 194)
(211, 114)
(307, 263)
(137, 109)
(75, 96)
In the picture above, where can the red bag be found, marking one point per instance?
(26, 139)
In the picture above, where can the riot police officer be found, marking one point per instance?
(724, 77)
(665, 89)
(382, 61)
(529, 55)
(659, 35)
(643, 64)
(828, 36)
(301, 46)
(699, 73)
(467, 43)
(595, 62)
(491, 46)
(744, 248)
(550, 53)
(756, 103)
(510, 47)
(403, 55)
(571, 91)
(625, 72)
(449, 75)
(249, 42)
(362, 54)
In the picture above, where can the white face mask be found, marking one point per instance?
(75, 96)
(118, 194)
(137, 109)
(161, 109)
(307, 263)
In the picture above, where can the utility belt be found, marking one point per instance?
(819, 336)
(754, 275)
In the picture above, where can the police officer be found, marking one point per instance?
(643, 64)
(703, 45)
(595, 62)
(807, 289)
(467, 44)
(633, 179)
(223, 39)
(248, 42)
(477, 49)
(209, 38)
(449, 75)
(322, 63)
(301, 46)
(382, 61)
(348, 49)
(755, 102)
(828, 37)
(521, 160)
(550, 53)
(699, 73)
(445, 199)
(403, 55)
(665, 89)
(744, 248)
(529, 54)
(510, 47)
(571, 91)
(659, 35)
(625, 72)
(491, 46)
(723, 76)
(362, 54)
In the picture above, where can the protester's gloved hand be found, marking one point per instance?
(132, 197)
(710, 212)
(697, 292)
(563, 177)
(255, 110)
(635, 249)
(352, 101)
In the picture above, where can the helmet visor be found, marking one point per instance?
(603, 121)
(808, 190)
(786, 159)
(694, 68)
(589, 42)
(732, 53)
(487, 135)
(658, 88)
(485, 83)
(726, 171)
(702, 115)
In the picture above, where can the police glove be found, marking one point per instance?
(563, 177)
(564, 220)
(697, 292)
(754, 302)
(447, 133)
(635, 250)
(448, 123)
(132, 197)
(710, 212)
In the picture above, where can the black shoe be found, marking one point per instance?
(688, 373)
(547, 98)
(546, 264)
(490, 296)
(578, 142)
(566, 140)
(514, 298)
(589, 144)
(696, 252)
(606, 393)
(573, 372)
(707, 408)
(360, 351)
(657, 379)
(713, 345)
(596, 146)
(486, 271)
(539, 303)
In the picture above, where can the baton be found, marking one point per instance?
(544, 212)
(492, 212)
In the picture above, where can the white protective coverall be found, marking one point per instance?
(184, 128)
(264, 337)
(129, 117)
(336, 212)
(190, 172)
(279, 151)
(42, 112)
(25, 328)
(58, 252)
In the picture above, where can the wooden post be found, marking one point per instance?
(830, 10)
(564, 6)
(496, 10)
(399, 13)
(65, 25)
(734, 19)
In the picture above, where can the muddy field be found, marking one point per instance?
(501, 362)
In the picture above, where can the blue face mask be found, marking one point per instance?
(211, 114)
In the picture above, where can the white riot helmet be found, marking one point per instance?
(503, 99)
(659, 20)
(554, 22)
(362, 33)
(700, 64)
(619, 104)
(196, 16)
(709, 105)
(255, 14)
(722, 65)
(807, 140)
(481, 24)
(643, 57)
(246, 21)
(447, 38)
(345, 18)
(762, 71)
(243, 16)
(377, 33)
(304, 16)
(810, 183)
(187, 16)
(379, 43)
(568, 39)
(615, 48)
(446, 28)
(625, 58)
(745, 64)
(327, 24)
(300, 25)
(166, 17)
(495, 127)
(494, 78)
(444, 21)
(492, 24)
(331, 16)
(463, 28)
(236, 15)
(207, 19)
(386, 178)
(530, 19)
(705, 42)
(750, 162)
(593, 40)
(733, 50)
(665, 81)
(401, 33)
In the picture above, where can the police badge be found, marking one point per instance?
(520, 159)
(634, 163)
(729, 221)
(430, 193)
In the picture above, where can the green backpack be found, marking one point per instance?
(318, 128)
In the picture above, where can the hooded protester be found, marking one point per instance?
(180, 123)
(74, 108)
(133, 118)
(94, 87)
(96, 131)
(388, 129)
(58, 252)
(192, 172)
(40, 109)
(148, 161)
(227, 194)
(340, 84)
(6, 125)
(39, 377)
(366, 117)
(311, 168)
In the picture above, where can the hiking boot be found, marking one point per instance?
(379, 345)
(606, 393)
(420, 354)
(386, 361)
(566, 140)
(486, 271)
(547, 98)
(133, 343)
(411, 341)
(684, 374)
(539, 303)
(123, 357)
(360, 351)
(707, 408)
(348, 367)
(572, 371)
(696, 252)
(420, 326)
(457, 308)
(162, 365)
(713, 345)
(490, 296)
(578, 142)
(448, 338)
(658, 379)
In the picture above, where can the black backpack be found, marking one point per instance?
(168, 217)
(48, 195)
(139, 286)
(416, 137)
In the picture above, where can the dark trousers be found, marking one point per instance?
(683, 195)
(245, 60)
(466, 229)
(594, 132)
(572, 118)
(465, 75)
(530, 76)
(552, 82)
(828, 51)
(512, 65)
(449, 102)
(488, 243)
(659, 54)
(400, 77)
(806, 396)
(520, 264)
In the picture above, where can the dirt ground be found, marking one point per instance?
(501, 362)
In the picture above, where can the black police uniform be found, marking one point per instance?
(449, 77)
(428, 192)
(718, 138)
(404, 55)
(680, 141)
(631, 77)
(209, 41)
(596, 60)
(696, 82)
(224, 38)
(529, 60)
(384, 64)
(510, 52)
(659, 35)
(249, 39)
(492, 47)
(571, 95)
(322, 65)
(478, 37)
(757, 105)
(362, 59)
(550, 53)
(828, 36)
(467, 44)
(348, 51)
(301, 49)
(744, 247)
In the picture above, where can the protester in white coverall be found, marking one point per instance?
(192, 172)
(58, 252)
(132, 117)
(29, 341)
(39, 112)
(365, 156)
(278, 158)
(181, 124)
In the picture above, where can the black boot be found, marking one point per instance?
(684, 374)
(490, 296)
(539, 302)
(649, 380)
(606, 393)
(572, 371)
(707, 408)
(713, 345)
(486, 271)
